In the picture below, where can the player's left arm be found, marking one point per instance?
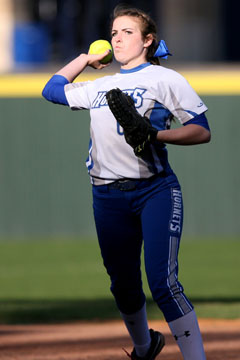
(195, 131)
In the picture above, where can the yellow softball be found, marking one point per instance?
(99, 47)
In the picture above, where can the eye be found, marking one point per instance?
(113, 34)
(128, 32)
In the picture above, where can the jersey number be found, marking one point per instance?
(119, 129)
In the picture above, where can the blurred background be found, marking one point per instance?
(44, 186)
(45, 193)
(41, 32)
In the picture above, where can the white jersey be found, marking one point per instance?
(159, 93)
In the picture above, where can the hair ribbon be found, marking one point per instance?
(162, 50)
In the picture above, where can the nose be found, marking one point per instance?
(118, 37)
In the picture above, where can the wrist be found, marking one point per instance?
(86, 59)
(153, 134)
(83, 58)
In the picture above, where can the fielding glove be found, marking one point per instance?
(138, 130)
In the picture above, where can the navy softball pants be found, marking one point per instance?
(150, 214)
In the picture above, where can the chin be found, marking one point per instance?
(121, 60)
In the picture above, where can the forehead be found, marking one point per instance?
(123, 22)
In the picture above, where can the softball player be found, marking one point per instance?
(138, 201)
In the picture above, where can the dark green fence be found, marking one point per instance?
(45, 189)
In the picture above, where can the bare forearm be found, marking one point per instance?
(76, 66)
(187, 135)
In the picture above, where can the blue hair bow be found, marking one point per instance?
(162, 50)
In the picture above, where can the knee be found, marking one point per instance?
(128, 296)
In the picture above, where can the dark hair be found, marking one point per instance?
(148, 26)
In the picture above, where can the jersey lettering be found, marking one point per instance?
(100, 100)
(137, 97)
(176, 218)
(136, 94)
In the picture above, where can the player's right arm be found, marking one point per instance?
(76, 66)
(54, 89)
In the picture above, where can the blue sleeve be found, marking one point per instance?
(54, 90)
(199, 120)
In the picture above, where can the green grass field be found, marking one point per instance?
(60, 280)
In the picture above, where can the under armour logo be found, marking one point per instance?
(186, 333)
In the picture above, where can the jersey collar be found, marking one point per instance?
(137, 68)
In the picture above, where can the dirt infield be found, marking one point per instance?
(104, 341)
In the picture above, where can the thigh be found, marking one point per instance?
(119, 233)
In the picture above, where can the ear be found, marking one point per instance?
(148, 40)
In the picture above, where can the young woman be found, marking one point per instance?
(137, 200)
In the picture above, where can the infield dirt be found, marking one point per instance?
(105, 340)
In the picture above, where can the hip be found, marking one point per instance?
(134, 187)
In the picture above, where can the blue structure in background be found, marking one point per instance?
(31, 44)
